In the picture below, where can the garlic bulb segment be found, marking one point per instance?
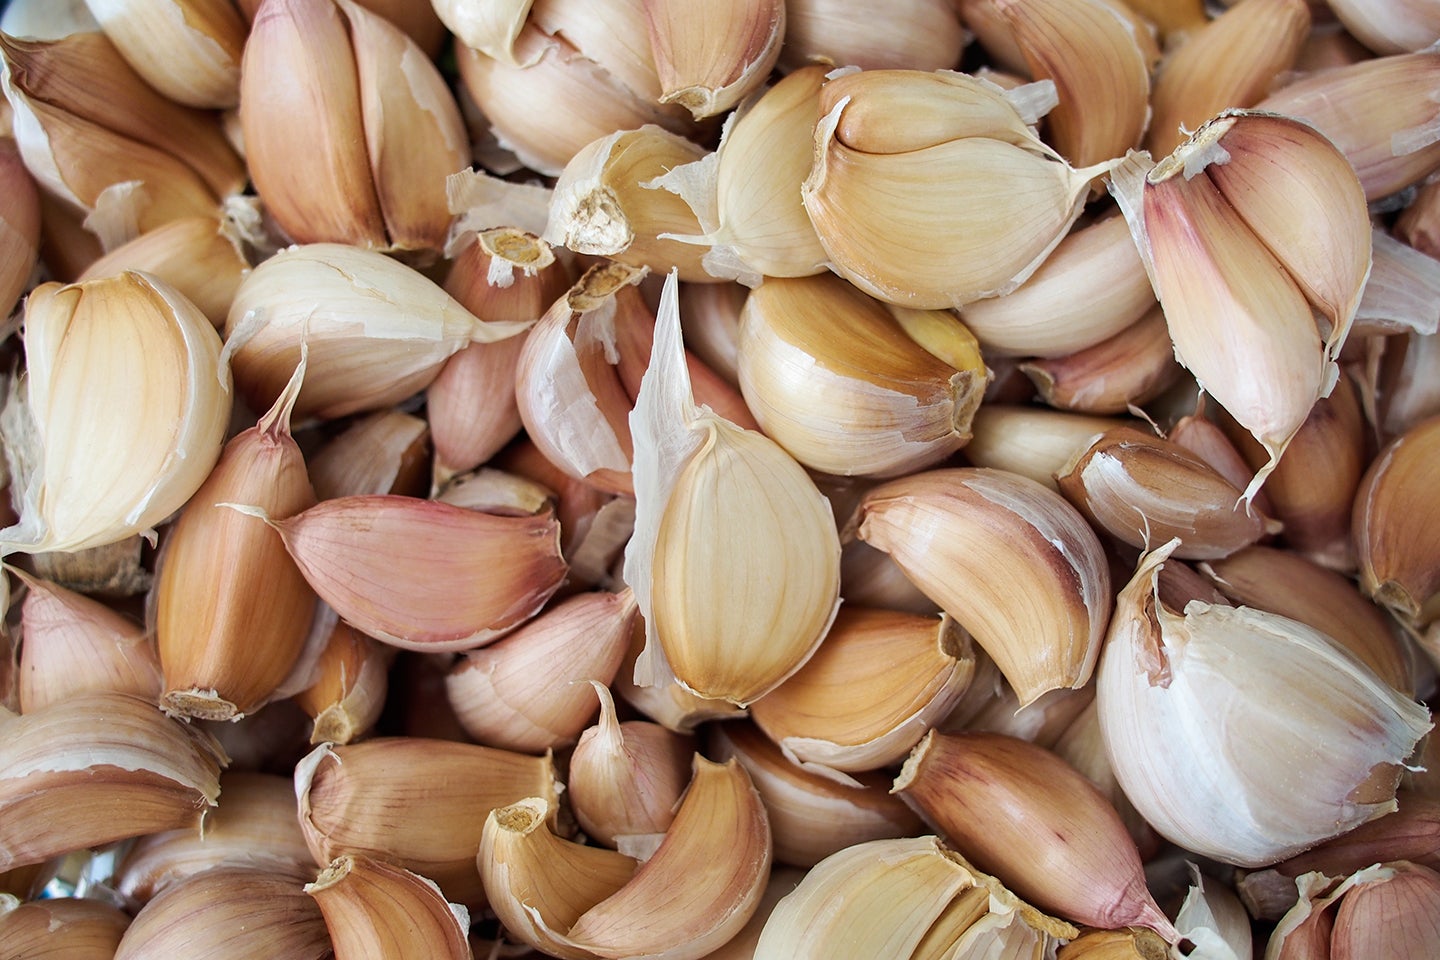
(527, 692)
(504, 275)
(19, 226)
(75, 645)
(879, 680)
(490, 28)
(349, 689)
(232, 610)
(374, 909)
(1378, 112)
(605, 203)
(936, 215)
(254, 823)
(1390, 27)
(1021, 810)
(96, 460)
(238, 910)
(1395, 916)
(918, 34)
(708, 56)
(99, 767)
(1031, 441)
(115, 570)
(1252, 783)
(377, 331)
(735, 560)
(1143, 490)
(1115, 945)
(189, 50)
(1127, 370)
(812, 816)
(414, 802)
(1231, 62)
(968, 536)
(422, 575)
(839, 381)
(904, 898)
(1092, 287)
(1396, 522)
(570, 396)
(78, 929)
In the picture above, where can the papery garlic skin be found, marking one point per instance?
(1242, 735)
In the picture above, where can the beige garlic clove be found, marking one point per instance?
(1049, 834)
(96, 768)
(367, 349)
(1115, 945)
(232, 610)
(1171, 16)
(1126, 370)
(1394, 525)
(527, 692)
(75, 645)
(1401, 27)
(77, 929)
(669, 703)
(844, 385)
(626, 778)
(812, 816)
(384, 452)
(879, 680)
(189, 50)
(490, 28)
(19, 226)
(373, 908)
(731, 607)
(952, 530)
(1398, 916)
(916, 34)
(1228, 795)
(421, 575)
(610, 32)
(1231, 62)
(254, 824)
(904, 898)
(1031, 441)
(709, 56)
(1144, 490)
(349, 689)
(1092, 287)
(414, 802)
(96, 461)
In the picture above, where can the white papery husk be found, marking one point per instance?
(1241, 735)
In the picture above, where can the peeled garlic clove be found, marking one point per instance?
(1049, 834)
(490, 28)
(19, 226)
(414, 802)
(951, 531)
(919, 34)
(96, 768)
(812, 816)
(377, 331)
(75, 645)
(891, 898)
(1129, 369)
(528, 691)
(837, 379)
(708, 56)
(189, 50)
(442, 588)
(626, 778)
(878, 681)
(1143, 489)
(731, 607)
(1224, 794)
(78, 929)
(1231, 62)
(97, 461)
(1398, 916)
(349, 690)
(1031, 441)
(1395, 524)
(373, 908)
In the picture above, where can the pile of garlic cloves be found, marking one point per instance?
(751, 479)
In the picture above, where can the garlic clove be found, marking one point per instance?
(951, 530)
(1397, 916)
(869, 578)
(527, 692)
(1407, 395)
(490, 28)
(19, 226)
(115, 570)
(494, 491)
(373, 908)
(709, 56)
(78, 929)
(349, 689)
(1394, 525)
(1081, 746)
(710, 319)
(1418, 225)
(1390, 27)
(1114, 945)
(1213, 918)
(189, 50)
(414, 802)
(385, 452)
(668, 703)
(1403, 290)
(1033, 442)
(96, 768)
(1038, 822)
(1126, 370)
(878, 682)
(47, 20)
(1171, 16)
(919, 34)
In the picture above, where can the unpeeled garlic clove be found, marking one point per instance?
(849, 385)
(711, 500)
(1049, 834)
(384, 452)
(527, 692)
(1082, 746)
(710, 319)
(115, 570)
(349, 689)
(879, 680)
(1403, 292)
(189, 50)
(490, 28)
(19, 226)
(1395, 524)
(78, 929)
(709, 56)
(1032, 441)
(1408, 394)
(917, 34)
(414, 802)
(1188, 767)
(1127, 370)
(952, 530)
(1397, 916)
(494, 491)
(373, 908)
(96, 768)
(869, 578)
(1401, 27)
(1213, 919)
(115, 461)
